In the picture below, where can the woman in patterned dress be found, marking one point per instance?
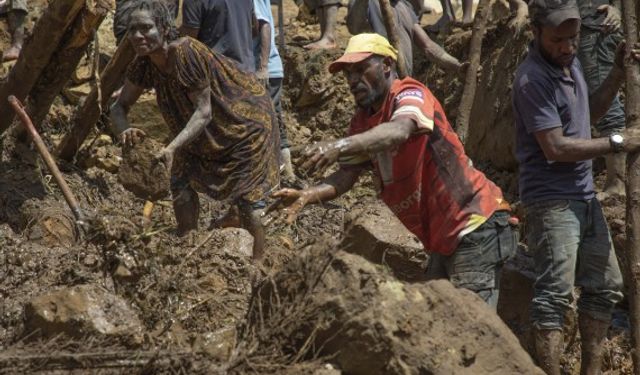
(225, 142)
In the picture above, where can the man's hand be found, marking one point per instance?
(612, 20)
(131, 136)
(317, 157)
(622, 54)
(290, 202)
(165, 156)
(263, 74)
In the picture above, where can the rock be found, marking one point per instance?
(376, 234)
(218, 345)
(123, 275)
(370, 323)
(80, 311)
(327, 369)
(104, 156)
(237, 241)
(140, 172)
(49, 223)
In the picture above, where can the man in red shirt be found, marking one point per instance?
(400, 130)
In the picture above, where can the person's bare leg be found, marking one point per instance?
(186, 206)
(328, 16)
(467, 12)
(448, 16)
(16, 26)
(251, 222)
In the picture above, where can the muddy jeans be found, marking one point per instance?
(477, 261)
(571, 244)
(597, 54)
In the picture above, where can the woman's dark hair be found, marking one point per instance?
(160, 13)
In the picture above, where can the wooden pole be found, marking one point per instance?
(632, 109)
(36, 53)
(471, 77)
(87, 115)
(66, 58)
(390, 24)
(48, 159)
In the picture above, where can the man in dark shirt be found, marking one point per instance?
(567, 232)
(223, 25)
(599, 36)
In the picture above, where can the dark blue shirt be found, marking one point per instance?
(224, 26)
(544, 97)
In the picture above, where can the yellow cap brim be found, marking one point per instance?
(348, 59)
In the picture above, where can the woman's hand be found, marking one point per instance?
(165, 157)
(132, 136)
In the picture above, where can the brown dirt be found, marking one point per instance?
(191, 294)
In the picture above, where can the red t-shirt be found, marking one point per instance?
(428, 182)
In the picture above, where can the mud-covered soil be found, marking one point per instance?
(192, 294)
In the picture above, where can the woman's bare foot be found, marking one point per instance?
(230, 219)
(11, 54)
(323, 43)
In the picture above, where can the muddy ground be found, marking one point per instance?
(188, 305)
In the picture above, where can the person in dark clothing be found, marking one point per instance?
(225, 26)
(225, 138)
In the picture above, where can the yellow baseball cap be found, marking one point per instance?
(361, 47)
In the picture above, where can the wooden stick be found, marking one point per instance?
(471, 77)
(48, 159)
(632, 109)
(390, 24)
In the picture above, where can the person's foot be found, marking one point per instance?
(323, 43)
(230, 219)
(11, 54)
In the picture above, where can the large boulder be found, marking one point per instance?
(79, 311)
(330, 302)
(375, 233)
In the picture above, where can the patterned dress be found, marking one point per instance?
(236, 156)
